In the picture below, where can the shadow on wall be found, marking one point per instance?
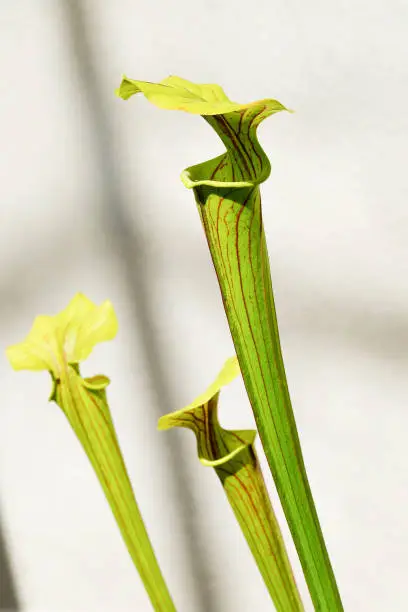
(127, 244)
(381, 332)
(8, 592)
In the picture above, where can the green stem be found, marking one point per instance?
(232, 219)
(84, 403)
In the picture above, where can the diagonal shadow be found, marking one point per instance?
(127, 242)
(380, 330)
(8, 591)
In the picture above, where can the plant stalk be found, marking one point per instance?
(85, 405)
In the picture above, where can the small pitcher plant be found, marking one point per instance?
(232, 455)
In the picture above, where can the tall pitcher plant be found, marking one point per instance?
(227, 193)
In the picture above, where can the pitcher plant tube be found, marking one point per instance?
(227, 194)
(58, 344)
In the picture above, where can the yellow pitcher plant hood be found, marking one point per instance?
(175, 93)
(65, 338)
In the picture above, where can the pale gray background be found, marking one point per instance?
(91, 201)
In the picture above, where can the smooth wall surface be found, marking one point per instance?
(91, 200)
